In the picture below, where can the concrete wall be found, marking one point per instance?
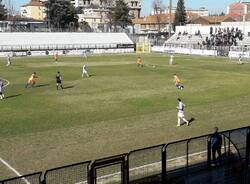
(185, 51)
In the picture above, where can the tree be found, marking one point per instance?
(3, 11)
(85, 27)
(105, 15)
(158, 9)
(61, 14)
(180, 14)
(222, 14)
(158, 6)
(119, 15)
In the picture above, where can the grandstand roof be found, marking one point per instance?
(62, 38)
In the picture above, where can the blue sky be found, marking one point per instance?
(214, 6)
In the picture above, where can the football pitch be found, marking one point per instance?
(121, 107)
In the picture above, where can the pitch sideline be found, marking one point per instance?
(14, 170)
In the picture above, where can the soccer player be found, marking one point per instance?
(178, 82)
(1, 90)
(84, 71)
(171, 60)
(56, 57)
(180, 114)
(8, 60)
(58, 81)
(84, 55)
(139, 62)
(32, 80)
(240, 60)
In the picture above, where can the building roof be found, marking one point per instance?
(213, 19)
(34, 3)
(161, 18)
(218, 18)
(237, 5)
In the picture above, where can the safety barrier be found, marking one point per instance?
(182, 161)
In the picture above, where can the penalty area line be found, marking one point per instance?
(14, 170)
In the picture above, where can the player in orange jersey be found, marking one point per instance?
(139, 62)
(56, 57)
(178, 82)
(32, 80)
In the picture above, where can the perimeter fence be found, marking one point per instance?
(185, 161)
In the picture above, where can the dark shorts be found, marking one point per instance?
(59, 82)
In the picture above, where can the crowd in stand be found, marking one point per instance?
(222, 37)
(217, 37)
(183, 34)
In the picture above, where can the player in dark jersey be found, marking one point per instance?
(1, 90)
(58, 81)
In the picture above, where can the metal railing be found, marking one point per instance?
(178, 162)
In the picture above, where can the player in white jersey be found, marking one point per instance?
(171, 60)
(180, 115)
(84, 71)
(240, 60)
(8, 60)
(1, 89)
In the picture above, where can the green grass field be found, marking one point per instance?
(119, 108)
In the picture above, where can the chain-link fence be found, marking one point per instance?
(34, 178)
(145, 162)
(182, 161)
(76, 173)
(109, 170)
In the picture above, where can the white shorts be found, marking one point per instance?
(180, 115)
(84, 72)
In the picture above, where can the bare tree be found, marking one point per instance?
(158, 8)
(107, 6)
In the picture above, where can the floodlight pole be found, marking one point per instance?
(170, 18)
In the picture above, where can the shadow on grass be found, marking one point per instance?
(41, 85)
(12, 96)
(191, 120)
(68, 87)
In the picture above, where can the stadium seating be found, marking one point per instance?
(38, 40)
(206, 37)
(185, 39)
(245, 41)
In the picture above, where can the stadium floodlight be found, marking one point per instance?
(170, 17)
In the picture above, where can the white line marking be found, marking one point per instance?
(8, 82)
(14, 170)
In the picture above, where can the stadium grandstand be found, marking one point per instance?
(26, 43)
(221, 40)
(206, 36)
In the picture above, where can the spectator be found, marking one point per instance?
(223, 37)
(216, 142)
